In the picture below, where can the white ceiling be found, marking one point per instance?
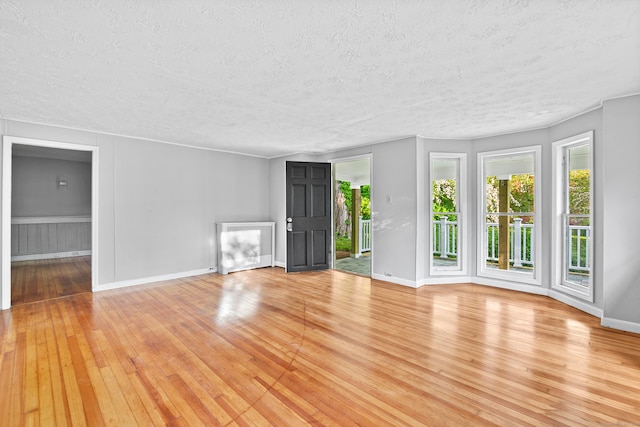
(357, 172)
(273, 77)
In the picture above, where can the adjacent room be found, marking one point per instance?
(320, 213)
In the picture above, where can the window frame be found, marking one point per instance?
(559, 205)
(481, 242)
(462, 217)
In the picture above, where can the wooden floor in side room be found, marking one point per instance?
(44, 279)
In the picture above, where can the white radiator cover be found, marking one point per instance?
(245, 245)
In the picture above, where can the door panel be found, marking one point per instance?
(299, 256)
(319, 202)
(319, 245)
(299, 194)
(308, 216)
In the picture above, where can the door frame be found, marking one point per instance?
(7, 178)
(333, 201)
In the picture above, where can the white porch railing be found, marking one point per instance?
(579, 248)
(445, 242)
(521, 236)
(365, 235)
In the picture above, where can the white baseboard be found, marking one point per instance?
(144, 280)
(449, 280)
(240, 263)
(580, 305)
(281, 264)
(522, 287)
(396, 280)
(51, 255)
(623, 325)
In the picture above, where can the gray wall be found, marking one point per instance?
(620, 207)
(394, 202)
(35, 190)
(158, 203)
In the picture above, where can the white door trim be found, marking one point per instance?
(7, 151)
(333, 162)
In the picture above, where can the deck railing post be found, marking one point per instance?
(360, 234)
(517, 242)
(444, 237)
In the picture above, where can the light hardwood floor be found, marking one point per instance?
(49, 278)
(263, 347)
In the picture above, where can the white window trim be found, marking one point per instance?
(463, 218)
(510, 275)
(557, 206)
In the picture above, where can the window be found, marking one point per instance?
(572, 229)
(447, 177)
(508, 204)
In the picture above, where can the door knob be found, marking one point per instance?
(289, 224)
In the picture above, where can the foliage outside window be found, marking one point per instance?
(365, 198)
(343, 209)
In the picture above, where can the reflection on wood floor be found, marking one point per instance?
(262, 347)
(49, 278)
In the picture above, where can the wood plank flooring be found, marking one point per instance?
(49, 278)
(262, 347)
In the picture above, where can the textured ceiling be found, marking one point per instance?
(275, 77)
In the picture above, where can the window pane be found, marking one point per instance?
(491, 193)
(579, 180)
(509, 212)
(445, 219)
(521, 193)
(445, 229)
(518, 244)
(578, 247)
(444, 183)
(577, 225)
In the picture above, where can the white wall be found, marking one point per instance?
(621, 204)
(158, 203)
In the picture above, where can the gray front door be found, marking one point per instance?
(308, 216)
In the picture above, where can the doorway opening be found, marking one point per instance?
(352, 215)
(49, 220)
